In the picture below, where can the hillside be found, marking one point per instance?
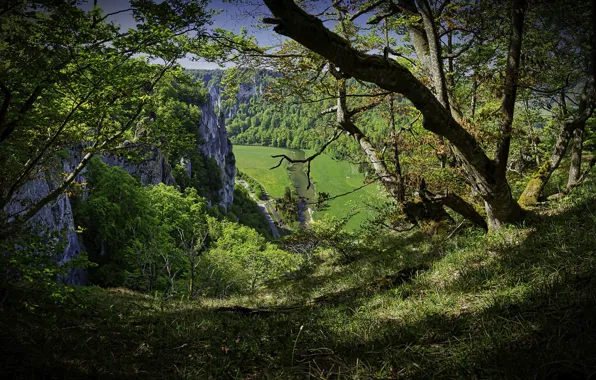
(370, 190)
(516, 304)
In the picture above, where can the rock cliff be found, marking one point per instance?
(215, 144)
(153, 169)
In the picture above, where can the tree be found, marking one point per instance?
(71, 77)
(575, 66)
(431, 28)
(183, 216)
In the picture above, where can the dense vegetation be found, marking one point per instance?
(473, 118)
(518, 304)
(157, 238)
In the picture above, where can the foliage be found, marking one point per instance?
(516, 304)
(255, 186)
(242, 260)
(71, 76)
(31, 260)
(156, 238)
(245, 211)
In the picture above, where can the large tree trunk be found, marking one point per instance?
(388, 74)
(428, 210)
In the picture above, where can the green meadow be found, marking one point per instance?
(256, 161)
(340, 177)
(329, 175)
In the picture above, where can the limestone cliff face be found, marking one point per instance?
(245, 92)
(151, 170)
(215, 144)
(56, 216)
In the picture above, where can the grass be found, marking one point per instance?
(518, 304)
(339, 177)
(256, 161)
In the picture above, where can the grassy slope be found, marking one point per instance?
(339, 177)
(256, 162)
(517, 304)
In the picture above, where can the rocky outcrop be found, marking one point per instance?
(215, 144)
(150, 168)
(253, 87)
(56, 216)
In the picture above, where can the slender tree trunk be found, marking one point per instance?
(533, 191)
(576, 156)
(535, 187)
(473, 101)
(428, 211)
(510, 96)
(191, 280)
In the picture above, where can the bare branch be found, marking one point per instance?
(344, 194)
(462, 50)
(307, 160)
(442, 7)
(364, 108)
(366, 10)
(328, 110)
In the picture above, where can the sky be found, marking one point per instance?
(231, 17)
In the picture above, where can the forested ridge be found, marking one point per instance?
(132, 246)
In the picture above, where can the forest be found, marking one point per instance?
(281, 189)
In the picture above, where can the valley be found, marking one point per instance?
(202, 189)
(327, 175)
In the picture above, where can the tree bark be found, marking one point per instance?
(576, 156)
(535, 187)
(427, 212)
(510, 90)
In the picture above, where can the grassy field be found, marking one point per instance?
(517, 304)
(328, 175)
(339, 177)
(256, 162)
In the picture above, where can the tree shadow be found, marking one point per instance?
(539, 322)
(546, 330)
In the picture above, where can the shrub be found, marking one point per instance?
(241, 260)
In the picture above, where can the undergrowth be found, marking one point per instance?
(520, 303)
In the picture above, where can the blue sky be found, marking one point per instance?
(232, 17)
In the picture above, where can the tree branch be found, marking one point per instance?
(307, 160)
(366, 9)
(343, 194)
(293, 22)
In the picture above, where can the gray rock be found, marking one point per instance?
(152, 169)
(56, 216)
(215, 144)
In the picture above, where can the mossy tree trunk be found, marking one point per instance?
(573, 128)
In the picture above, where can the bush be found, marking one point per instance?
(241, 260)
